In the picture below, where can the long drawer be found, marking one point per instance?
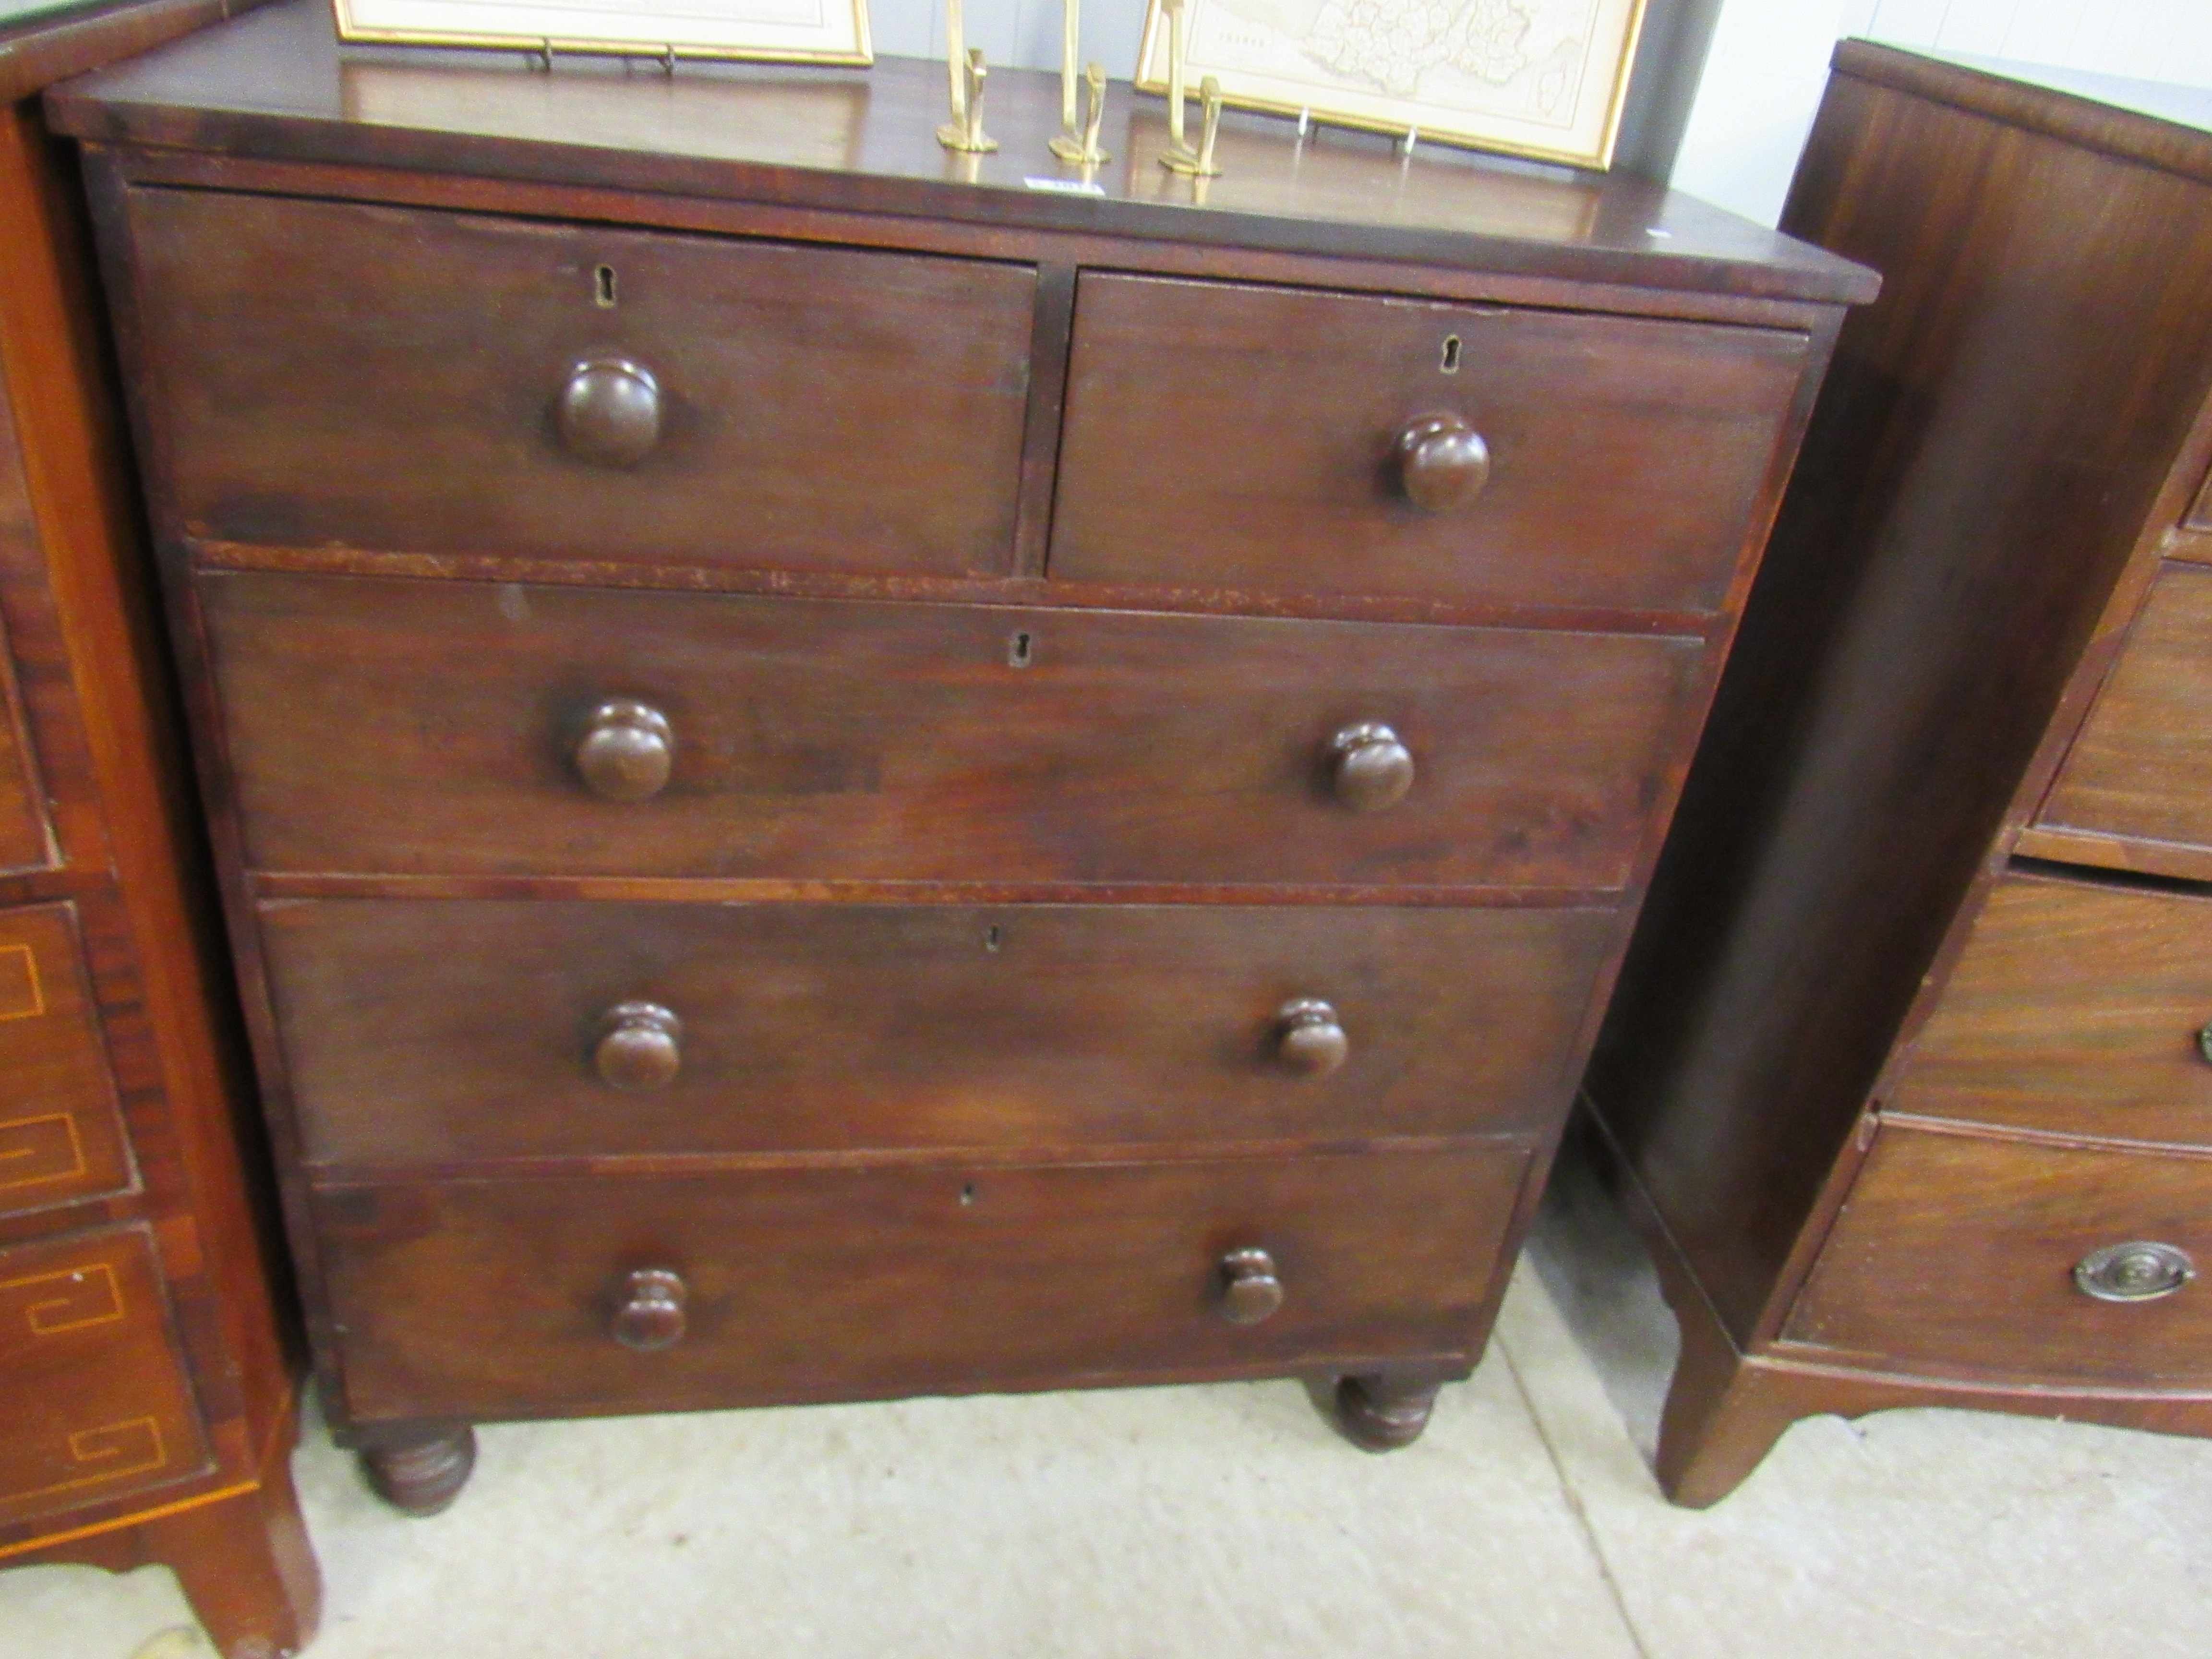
(61, 1127)
(428, 1031)
(98, 1403)
(331, 372)
(473, 728)
(1981, 1255)
(2077, 1006)
(1566, 458)
(500, 1298)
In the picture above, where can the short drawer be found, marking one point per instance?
(494, 1298)
(2140, 769)
(331, 374)
(1226, 435)
(98, 1406)
(1961, 1253)
(405, 726)
(61, 1134)
(2076, 1006)
(433, 1032)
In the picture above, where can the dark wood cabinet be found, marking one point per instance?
(147, 1396)
(1909, 1071)
(843, 781)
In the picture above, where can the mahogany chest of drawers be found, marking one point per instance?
(841, 777)
(147, 1395)
(1910, 1072)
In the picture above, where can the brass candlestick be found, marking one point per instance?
(1079, 145)
(965, 71)
(1179, 156)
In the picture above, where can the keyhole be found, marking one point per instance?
(967, 1193)
(1450, 364)
(1018, 653)
(603, 291)
(993, 938)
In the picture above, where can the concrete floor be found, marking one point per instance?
(1218, 1522)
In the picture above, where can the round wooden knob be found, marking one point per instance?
(1309, 1039)
(608, 411)
(1249, 1290)
(640, 1046)
(1442, 463)
(650, 1315)
(1372, 768)
(626, 751)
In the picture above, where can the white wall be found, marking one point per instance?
(1023, 33)
(1769, 61)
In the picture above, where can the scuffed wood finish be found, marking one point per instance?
(1957, 1253)
(494, 1298)
(159, 1429)
(60, 1128)
(2004, 450)
(335, 373)
(694, 960)
(1599, 490)
(2140, 774)
(426, 1033)
(900, 743)
(2077, 1008)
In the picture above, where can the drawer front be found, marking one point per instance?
(96, 1404)
(400, 727)
(61, 1134)
(2075, 1007)
(1960, 1253)
(334, 373)
(501, 1298)
(435, 1032)
(2142, 768)
(24, 840)
(1624, 455)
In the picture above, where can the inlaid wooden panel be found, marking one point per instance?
(1624, 453)
(98, 1406)
(25, 840)
(435, 1032)
(412, 726)
(494, 1298)
(1958, 1253)
(330, 373)
(61, 1135)
(2141, 770)
(2077, 1007)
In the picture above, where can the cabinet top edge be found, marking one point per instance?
(275, 84)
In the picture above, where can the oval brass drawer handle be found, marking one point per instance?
(608, 411)
(1251, 1291)
(1372, 769)
(1442, 463)
(2138, 1271)
(640, 1046)
(626, 751)
(1309, 1038)
(651, 1314)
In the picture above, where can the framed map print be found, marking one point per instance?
(788, 31)
(1543, 78)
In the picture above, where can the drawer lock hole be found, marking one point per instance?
(603, 292)
(1449, 365)
(967, 1195)
(1018, 651)
(993, 938)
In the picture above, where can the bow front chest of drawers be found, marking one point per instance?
(840, 777)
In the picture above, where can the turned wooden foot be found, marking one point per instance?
(421, 1477)
(1380, 1413)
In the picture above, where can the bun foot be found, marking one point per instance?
(421, 1477)
(1381, 1413)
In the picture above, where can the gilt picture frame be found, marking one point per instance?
(1546, 79)
(771, 31)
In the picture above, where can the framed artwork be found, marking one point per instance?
(783, 31)
(1541, 78)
